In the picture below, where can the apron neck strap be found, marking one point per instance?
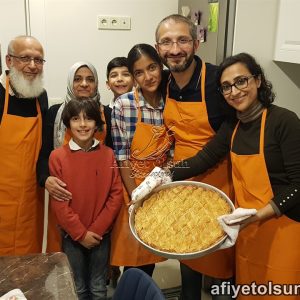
(136, 98)
(203, 77)
(261, 135)
(6, 95)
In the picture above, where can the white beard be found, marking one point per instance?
(24, 87)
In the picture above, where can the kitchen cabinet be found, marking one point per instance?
(287, 46)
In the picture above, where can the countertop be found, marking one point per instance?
(39, 276)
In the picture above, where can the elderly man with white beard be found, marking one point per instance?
(23, 104)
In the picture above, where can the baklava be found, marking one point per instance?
(181, 219)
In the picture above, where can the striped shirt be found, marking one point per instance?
(124, 118)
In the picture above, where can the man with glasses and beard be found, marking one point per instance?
(23, 104)
(193, 112)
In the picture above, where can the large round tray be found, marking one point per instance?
(171, 254)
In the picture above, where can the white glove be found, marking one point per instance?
(156, 177)
(14, 294)
(227, 221)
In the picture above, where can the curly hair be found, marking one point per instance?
(265, 92)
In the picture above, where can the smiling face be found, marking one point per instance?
(26, 47)
(83, 128)
(177, 57)
(84, 84)
(120, 81)
(147, 74)
(240, 99)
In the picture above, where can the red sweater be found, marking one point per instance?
(94, 181)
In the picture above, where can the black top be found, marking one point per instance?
(281, 149)
(47, 146)
(23, 107)
(217, 108)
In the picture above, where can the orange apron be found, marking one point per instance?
(148, 149)
(268, 250)
(53, 233)
(190, 125)
(21, 200)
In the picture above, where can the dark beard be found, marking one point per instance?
(179, 68)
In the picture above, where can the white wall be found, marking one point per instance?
(68, 32)
(68, 29)
(12, 23)
(255, 32)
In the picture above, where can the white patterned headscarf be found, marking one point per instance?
(59, 127)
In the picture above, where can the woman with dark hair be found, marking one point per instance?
(140, 143)
(264, 146)
(265, 92)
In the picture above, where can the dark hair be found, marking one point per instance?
(116, 62)
(265, 92)
(138, 51)
(88, 106)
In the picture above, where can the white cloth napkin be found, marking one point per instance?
(156, 177)
(15, 294)
(227, 222)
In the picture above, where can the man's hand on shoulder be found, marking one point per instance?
(57, 189)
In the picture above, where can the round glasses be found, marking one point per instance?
(28, 59)
(241, 83)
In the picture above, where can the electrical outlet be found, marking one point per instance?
(121, 23)
(113, 23)
(103, 22)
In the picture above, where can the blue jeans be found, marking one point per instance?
(89, 267)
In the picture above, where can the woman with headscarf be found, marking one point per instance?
(82, 84)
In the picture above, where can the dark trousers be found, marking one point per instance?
(149, 269)
(191, 283)
(89, 267)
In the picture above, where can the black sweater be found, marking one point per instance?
(281, 149)
(23, 107)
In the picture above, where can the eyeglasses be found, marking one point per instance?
(241, 83)
(168, 44)
(28, 59)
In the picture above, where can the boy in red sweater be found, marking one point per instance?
(90, 172)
